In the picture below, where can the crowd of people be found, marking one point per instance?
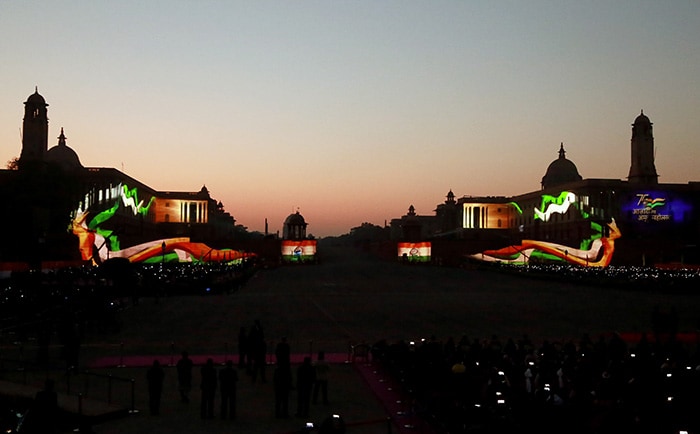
(310, 381)
(677, 279)
(585, 386)
(33, 303)
(601, 385)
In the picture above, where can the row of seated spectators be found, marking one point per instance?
(683, 279)
(576, 386)
(95, 295)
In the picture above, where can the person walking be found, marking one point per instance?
(184, 376)
(228, 377)
(155, 376)
(306, 376)
(208, 387)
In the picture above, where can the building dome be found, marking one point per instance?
(62, 155)
(294, 227)
(560, 171)
(642, 119)
(295, 219)
(35, 99)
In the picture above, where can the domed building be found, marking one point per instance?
(584, 222)
(64, 208)
(295, 246)
(294, 227)
(62, 155)
(560, 171)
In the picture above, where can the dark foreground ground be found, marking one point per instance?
(344, 300)
(348, 298)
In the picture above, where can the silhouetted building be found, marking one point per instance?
(560, 171)
(35, 130)
(51, 190)
(294, 227)
(642, 169)
(448, 214)
(295, 245)
(413, 227)
(658, 223)
(63, 156)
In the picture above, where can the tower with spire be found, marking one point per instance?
(35, 129)
(642, 168)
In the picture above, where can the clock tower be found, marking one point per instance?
(35, 129)
(642, 169)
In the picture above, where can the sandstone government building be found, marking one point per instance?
(56, 211)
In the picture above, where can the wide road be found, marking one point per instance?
(350, 297)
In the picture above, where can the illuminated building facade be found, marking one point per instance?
(594, 222)
(69, 212)
(296, 246)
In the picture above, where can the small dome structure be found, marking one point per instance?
(62, 155)
(642, 119)
(294, 227)
(36, 99)
(560, 171)
(295, 219)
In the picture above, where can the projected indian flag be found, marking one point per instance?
(414, 252)
(298, 251)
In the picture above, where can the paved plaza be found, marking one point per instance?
(347, 299)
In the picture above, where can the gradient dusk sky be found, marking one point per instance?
(351, 111)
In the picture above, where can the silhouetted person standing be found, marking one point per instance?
(242, 347)
(306, 376)
(155, 376)
(282, 352)
(208, 387)
(259, 362)
(45, 410)
(228, 377)
(257, 351)
(71, 346)
(282, 382)
(184, 376)
(321, 383)
(43, 341)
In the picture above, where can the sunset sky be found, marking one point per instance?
(351, 111)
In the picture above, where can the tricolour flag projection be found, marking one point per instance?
(298, 251)
(414, 252)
